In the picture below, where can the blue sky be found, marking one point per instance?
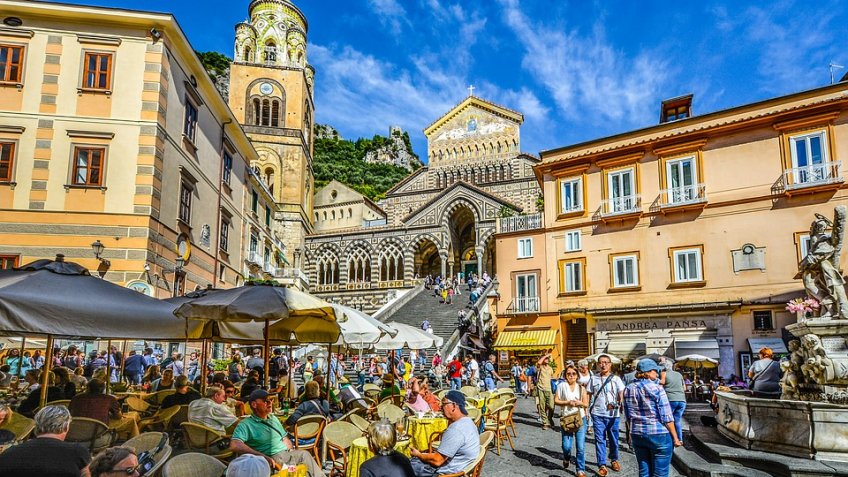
(578, 70)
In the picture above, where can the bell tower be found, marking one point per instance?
(271, 94)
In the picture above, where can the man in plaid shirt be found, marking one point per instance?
(650, 420)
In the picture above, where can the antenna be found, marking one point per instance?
(832, 67)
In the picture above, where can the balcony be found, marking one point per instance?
(527, 304)
(812, 178)
(683, 198)
(620, 209)
(255, 259)
(520, 223)
(269, 269)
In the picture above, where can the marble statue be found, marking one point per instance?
(820, 271)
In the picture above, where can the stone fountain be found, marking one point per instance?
(811, 418)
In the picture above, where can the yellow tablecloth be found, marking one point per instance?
(359, 453)
(420, 429)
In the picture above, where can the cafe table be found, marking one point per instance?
(420, 429)
(359, 453)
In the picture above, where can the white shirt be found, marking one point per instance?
(564, 393)
(211, 414)
(608, 396)
(475, 369)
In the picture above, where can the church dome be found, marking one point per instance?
(279, 10)
(275, 35)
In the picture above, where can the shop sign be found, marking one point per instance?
(504, 356)
(656, 324)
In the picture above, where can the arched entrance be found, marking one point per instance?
(426, 258)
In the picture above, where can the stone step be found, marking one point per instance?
(689, 463)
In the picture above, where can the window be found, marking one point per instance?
(8, 262)
(185, 203)
(572, 276)
(190, 123)
(88, 166)
(11, 63)
(572, 241)
(625, 271)
(675, 113)
(254, 203)
(267, 216)
(266, 256)
(763, 320)
(571, 196)
(224, 243)
(809, 155)
(687, 265)
(228, 168)
(254, 242)
(682, 180)
(222, 272)
(526, 295)
(525, 248)
(7, 158)
(97, 72)
(804, 244)
(622, 191)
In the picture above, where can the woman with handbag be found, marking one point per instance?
(574, 400)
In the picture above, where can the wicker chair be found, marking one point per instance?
(391, 412)
(473, 469)
(60, 402)
(497, 421)
(359, 421)
(200, 438)
(20, 425)
(339, 436)
(160, 421)
(91, 432)
(176, 421)
(510, 401)
(306, 428)
(486, 438)
(148, 441)
(475, 414)
(371, 387)
(471, 391)
(397, 400)
(139, 405)
(156, 398)
(194, 464)
(434, 440)
(441, 393)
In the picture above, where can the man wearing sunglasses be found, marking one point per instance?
(114, 462)
(263, 434)
(460, 444)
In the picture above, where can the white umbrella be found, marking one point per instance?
(408, 336)
(359, 330)
(696, 361)
(594, 358)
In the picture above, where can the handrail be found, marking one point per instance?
(813, 174)
(397, 304)
(683, 195)
(450, 345)
(621, 205)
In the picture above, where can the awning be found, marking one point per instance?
(526, 340)
(708, 348)
(776, 344)
(477, 342)
(626, 349)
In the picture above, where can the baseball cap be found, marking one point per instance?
(457, 398)
(257, 394)
(646, 365)
(249, 465)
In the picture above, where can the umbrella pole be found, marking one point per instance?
(265, 332)
(329, 360)
(123, 356)
(203, 373)
(45, 375)
(21, 358)
(108, 364)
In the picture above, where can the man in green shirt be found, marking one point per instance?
(262, 434)
(544, 394)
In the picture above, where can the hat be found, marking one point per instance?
(646, 365)
(457, 398)
(249, 465)
(257, 394)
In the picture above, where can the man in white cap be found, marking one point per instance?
(249, 465)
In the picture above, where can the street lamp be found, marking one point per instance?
(178, 274)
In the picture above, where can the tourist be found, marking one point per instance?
(375, 371)
(212, 411)
(134, 368)
(308, 369)
(455, 371)
(28, 406)
(607, 391)
(387, 462)
(78, 379)
(115, 461)
(765, 376)
(277, 368)
(262, 434)
(193, 367)
(413, 358)
(473, 370)
(256, 361)
(574, 399)
(312, 404)
(415, 397)
(184, 395)
(250, 383)
(63, 381)
(460, 443)
(584, 375)
(437, 359)
(48, 454)
(164, 382)
(431, 399)
(177, 365)
(96, 404)
(530, 382)
(149, 359)
(13, 360)
(630, 375)
(672, 382)
(235, 368)
(650, 421)
(151, 374)
(422, 358)
(517, 372)
(544, 393)
(489, 373)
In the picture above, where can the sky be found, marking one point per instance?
(577, 70)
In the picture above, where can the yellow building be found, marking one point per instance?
(111, 132)
(679, 238)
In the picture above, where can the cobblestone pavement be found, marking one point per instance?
(539, 453)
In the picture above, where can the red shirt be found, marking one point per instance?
(457, 366)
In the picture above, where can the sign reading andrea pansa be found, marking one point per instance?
(656, 324)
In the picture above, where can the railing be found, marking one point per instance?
(294, 273)
(374, 223)
(449, 348)
(391, 284)
(812, 175)
(621, 205)
(519, 223)
(526, 304)
(683, 195)
(255, 258)
(269, 269)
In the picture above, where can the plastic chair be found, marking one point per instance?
(91, 432)
(309, 428)
(499, 425)
(390, 412)
(194, 464)
(148, 441)
(339, 436)
(200, 438)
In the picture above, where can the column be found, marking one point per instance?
(443, 258)
(479, 250)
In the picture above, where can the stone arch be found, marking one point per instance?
(358, 260)
(457, 203)
(327, 266)
(391, 261)
(260, 109)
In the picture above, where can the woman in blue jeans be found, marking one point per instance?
(573, 398)
(651, 423)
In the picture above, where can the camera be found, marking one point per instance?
(612, 406)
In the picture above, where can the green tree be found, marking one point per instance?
(216, 64)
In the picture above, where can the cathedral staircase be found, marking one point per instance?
(443, 318)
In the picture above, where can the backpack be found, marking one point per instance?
(486, 370)
(274, 367)
(452, 369)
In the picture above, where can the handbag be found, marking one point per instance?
(572, 422)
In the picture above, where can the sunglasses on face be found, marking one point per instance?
(127, 471)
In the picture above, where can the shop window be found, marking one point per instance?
(763, 320)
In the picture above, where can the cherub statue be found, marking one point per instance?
(819, 269)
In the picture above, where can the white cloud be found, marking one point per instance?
(391, 14)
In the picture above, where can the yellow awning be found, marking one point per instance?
(526, 340)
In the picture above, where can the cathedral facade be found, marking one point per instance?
(440, 220)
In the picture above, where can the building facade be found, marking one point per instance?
(681, 238)
(440, 220)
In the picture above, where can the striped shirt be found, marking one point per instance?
(646, 407)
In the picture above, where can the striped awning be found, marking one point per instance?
(526, 340)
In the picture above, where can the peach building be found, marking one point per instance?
(680, 238)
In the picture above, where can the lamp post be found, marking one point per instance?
(97, 247)
(178, 272)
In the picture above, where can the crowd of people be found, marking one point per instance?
(446, 289)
